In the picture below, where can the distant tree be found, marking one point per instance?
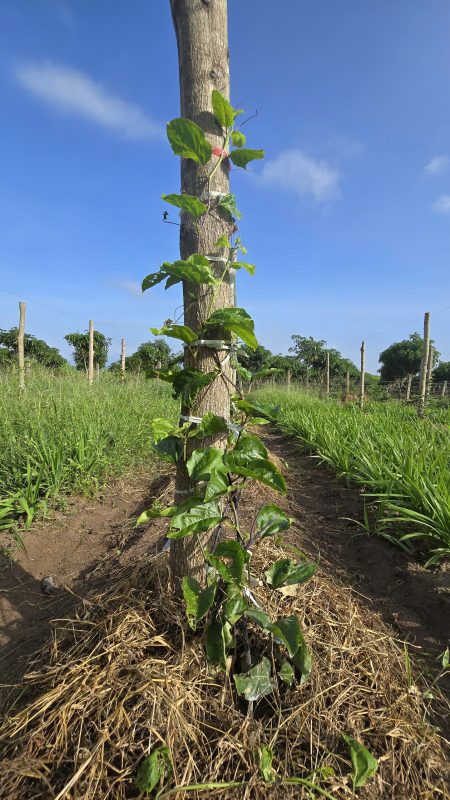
(35, 350)
(80, 344)
(403, 358)
(148, 356)
(254, 360)
(152, 354)
(442, 372)
(309, 353)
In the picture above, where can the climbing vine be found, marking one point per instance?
(224, 607)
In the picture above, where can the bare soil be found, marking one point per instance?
(82, 548)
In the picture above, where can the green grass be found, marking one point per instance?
(401, 462)
(62, 437)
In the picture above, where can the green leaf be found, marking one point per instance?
(260, 617)
(255, 410)
(287, 629)
(193, 516)
(196, 269)
(238, 139)
(155, 512)
(255, 683)
(182, 332)
(286, 572)
(169, 449)
(188, 140)
(215, 643)
(270, 520)
(265, 759)
(222, 241)
(243, 265)
(244, 373)
(259, 469)
(161, 428)
(234, 605)
(248, 448)
(227, 208)
(364, 763)
(228, 560)
(198, 600)
(303, 660)
(445, 658)
(210, 425)
(154, 770)
(286, 673)
(234, 320)
(207, 465)
(153, 279)
(187, 202)
(242, 157)
(187, 383)
(223, 110)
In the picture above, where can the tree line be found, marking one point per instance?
(305, 360)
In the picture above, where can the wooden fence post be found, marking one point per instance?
(362, 375)
(288, 377)
(347, 384)
(444, 389)
(122, 360)
(327, 373)
(21, 345)
(91, 353)
(97, 370)
(429, 370)
(424, 365)
(408, 387)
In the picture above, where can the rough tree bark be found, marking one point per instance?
(202, 39)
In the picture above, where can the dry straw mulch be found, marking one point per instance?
(124, 676)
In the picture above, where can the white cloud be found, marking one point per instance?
(437, 165)
(130, 287)
(75, 93)
(442, 206)
(306, 176)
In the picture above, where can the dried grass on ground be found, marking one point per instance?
(123, 676)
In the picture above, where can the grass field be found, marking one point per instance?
(61, 436)
(402, 463)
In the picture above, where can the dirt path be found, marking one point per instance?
(414, 601)
(82, 549)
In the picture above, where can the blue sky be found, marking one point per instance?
(347, 220)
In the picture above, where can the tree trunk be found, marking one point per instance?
(202, 39)
(424, 365)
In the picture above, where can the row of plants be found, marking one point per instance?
(402, 463)
(61, 436)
